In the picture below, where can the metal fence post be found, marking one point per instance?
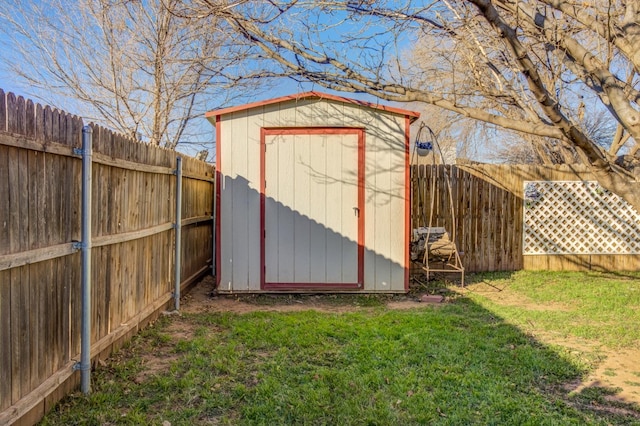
(85, 354)
(178, 227)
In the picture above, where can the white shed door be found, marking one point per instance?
(312, 212)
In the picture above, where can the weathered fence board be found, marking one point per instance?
(133, 212)
(5, 348)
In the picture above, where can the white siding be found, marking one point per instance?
(318, 209)
(385, 201)
(240, 199)
(226, 206)
(283, 187)
(348, 188)
(397, 176)
(254, 123)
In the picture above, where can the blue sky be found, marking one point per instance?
(9, 83)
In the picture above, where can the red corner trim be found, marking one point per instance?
(218, 196)
(407, 201)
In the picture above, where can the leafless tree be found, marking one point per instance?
(517, 148)
(513, 149)
(537, 67)
(135, 66)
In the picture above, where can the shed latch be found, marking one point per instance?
(356, 210)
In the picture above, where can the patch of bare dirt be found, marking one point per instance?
(507, 298)
(409, 303)
(202, 298)
(181, 330)
(154, 365)
(237, 305)
(620, 369)
(158, 359)
(617, 369)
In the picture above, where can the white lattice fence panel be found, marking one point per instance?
(578, 218)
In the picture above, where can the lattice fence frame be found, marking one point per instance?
(577, 217)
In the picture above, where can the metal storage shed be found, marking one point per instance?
(312, 195)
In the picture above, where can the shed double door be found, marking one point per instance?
(312, 211)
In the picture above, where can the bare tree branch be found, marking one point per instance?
(544, 68)
(137, 67)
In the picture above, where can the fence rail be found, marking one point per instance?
(486, 218)
(133, 237)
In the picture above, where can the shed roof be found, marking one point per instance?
(314, 95)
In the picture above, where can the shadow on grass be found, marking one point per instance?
(455, 364)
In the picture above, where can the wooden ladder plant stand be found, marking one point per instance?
(441, 254)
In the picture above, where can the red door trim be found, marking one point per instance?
(264, 132)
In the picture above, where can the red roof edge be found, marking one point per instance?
(307, 95)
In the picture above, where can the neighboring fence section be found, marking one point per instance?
(488, 206)
(133, 237)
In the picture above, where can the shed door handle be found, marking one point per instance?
(356, 210)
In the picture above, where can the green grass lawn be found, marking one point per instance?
(604, 307)
(469, 361)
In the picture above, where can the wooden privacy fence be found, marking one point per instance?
(133, 238)
(488, 210)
